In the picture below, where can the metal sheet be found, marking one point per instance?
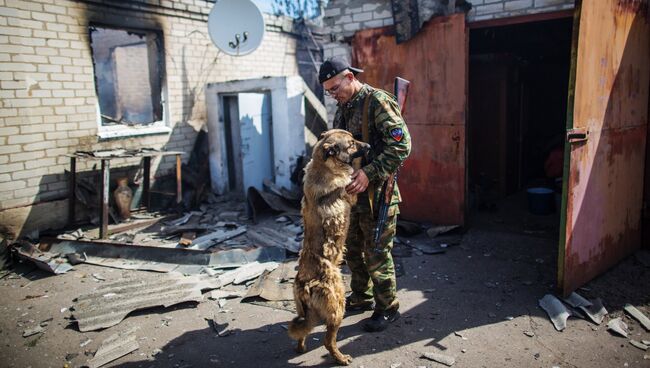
(274, 285)
(110, 303)
(114, 347)
(215, 237)
(432, 182)
(605, 180)
(556, 311)
(46, 261)
(259, 200)
(129, 256)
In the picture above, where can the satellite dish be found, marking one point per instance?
(236, 27)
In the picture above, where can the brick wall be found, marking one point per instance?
(344, 17)
(47, 93)
(493, 9)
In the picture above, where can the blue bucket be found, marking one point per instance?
(541, 201)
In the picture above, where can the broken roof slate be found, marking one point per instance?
(114, 347)
(111, 303)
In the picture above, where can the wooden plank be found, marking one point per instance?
(187, 238)
(179, 182)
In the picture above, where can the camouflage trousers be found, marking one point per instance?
(373, 273)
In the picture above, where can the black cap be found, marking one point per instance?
(334, 66)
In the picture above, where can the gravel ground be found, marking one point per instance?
(477, 303)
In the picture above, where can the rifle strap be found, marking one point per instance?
(365, 136)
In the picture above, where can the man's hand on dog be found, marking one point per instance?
(359, 182)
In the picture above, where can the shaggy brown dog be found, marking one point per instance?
(318, 289)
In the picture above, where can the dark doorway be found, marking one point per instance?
(645, 215)
(233, 139)
(518, 83)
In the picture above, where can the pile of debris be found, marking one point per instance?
(218, 235)
(222, 249)
(559, 310)
(214, 252)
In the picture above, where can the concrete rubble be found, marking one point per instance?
(33, 331)
(638, 315)
(618, 327)
(639, 344)
(440, 358)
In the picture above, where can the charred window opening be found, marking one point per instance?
(129, 72)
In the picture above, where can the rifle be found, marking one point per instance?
(401, 88)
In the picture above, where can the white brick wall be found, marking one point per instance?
(343, 17)
(495, 9)
(48, 99)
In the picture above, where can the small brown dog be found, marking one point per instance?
(318, 288)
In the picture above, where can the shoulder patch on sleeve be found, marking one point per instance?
(397, 134)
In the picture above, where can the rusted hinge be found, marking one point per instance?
(577, 135)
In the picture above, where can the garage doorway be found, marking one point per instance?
(517, 104)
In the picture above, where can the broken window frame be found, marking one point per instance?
(159, 126)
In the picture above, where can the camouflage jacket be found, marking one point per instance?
(389, 137)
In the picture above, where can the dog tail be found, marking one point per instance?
(301, 326)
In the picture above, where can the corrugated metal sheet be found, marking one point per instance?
(159, 259)
(114, 347)
(605, 180)
(432, 182)
(111, 303)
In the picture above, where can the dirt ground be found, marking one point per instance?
(477, 302)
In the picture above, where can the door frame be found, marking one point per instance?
(232, 138)
(288, 95)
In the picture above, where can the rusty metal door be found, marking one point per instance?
(432, 182)
(607, 140)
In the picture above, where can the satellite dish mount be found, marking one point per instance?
(236, 27)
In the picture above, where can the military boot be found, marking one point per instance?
(356, 304)
(380, 320)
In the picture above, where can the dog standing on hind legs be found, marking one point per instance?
(318, 288)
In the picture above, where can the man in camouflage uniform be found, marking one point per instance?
(373, 272)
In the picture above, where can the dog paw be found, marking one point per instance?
(344, 359)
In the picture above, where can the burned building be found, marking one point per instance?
(101, 75)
